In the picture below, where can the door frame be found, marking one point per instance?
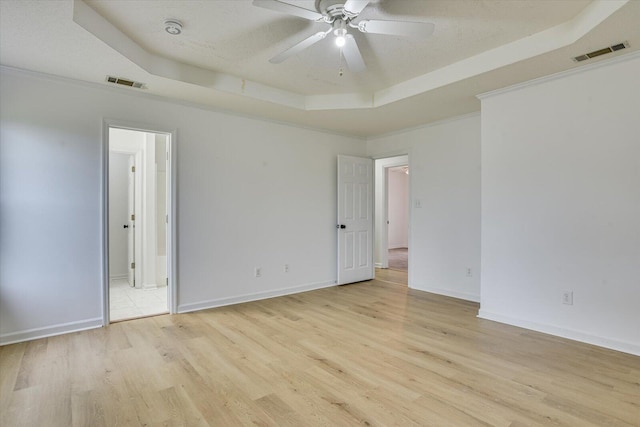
(381, 217)
(172, 272)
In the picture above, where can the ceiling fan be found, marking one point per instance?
(342, 15)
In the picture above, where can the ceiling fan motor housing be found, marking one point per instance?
(332, 10)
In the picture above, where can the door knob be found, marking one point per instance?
(126, 226)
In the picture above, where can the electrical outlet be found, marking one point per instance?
(286, 268)
(258, 272)
(469, 272)
(418, 203)
(567, 297)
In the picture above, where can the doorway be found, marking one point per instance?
(392, 182)
(138, 233)
(398, 217)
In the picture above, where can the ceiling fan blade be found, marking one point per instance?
(354, 7)
(298, 47)
(289, 9)
(397, 28)
(352, 55)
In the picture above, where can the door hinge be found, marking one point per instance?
(167, 279)
(133, 217)
(166, 219)
(133, 265)
(133, 168)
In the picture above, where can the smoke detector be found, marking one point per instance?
(173, 27)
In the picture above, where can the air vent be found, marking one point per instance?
(125, 82)
(599, 52)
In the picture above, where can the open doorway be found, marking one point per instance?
(398, 217)
(138, 203)
(392, 213)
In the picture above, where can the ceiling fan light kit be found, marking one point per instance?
(341, 15)
(340, 31)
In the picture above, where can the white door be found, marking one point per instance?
(131, 240)
(355, 219)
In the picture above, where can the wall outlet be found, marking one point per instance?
(286, 268)
(469, 272)
(418, 203)
(567, 297)
(258, 272)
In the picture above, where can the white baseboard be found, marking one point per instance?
(50, 331)
(622, 346)
(119, 277)
(378, 265)
(185, 308)
(449, 293)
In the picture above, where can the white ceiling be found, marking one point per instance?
(221, 58)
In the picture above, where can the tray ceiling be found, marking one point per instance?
(221, 58)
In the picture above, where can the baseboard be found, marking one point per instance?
(119, 277)
(622, 346)
(378, 265)
(449, 293)
(50, 331)
(186, 308)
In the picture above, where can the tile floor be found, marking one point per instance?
(126, 302)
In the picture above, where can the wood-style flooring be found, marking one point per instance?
(371, 353)
(399, 259)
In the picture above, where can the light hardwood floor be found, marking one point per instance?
(372, 353)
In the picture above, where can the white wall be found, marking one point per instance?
(561, 205)
(250, 193)
(444, 234)
(398, 200)
(118, 213)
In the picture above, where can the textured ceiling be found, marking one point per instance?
(237, 38)
(234, 39)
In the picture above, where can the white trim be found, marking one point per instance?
(381, 182)
(448, 293)
(50, 331)
(172, 252)
(256, 296)
(119, 277)
(625, 347)
(104, 218)
(560, 75)
(172, 226)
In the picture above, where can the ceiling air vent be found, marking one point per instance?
(125, 82)
(599, 52)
